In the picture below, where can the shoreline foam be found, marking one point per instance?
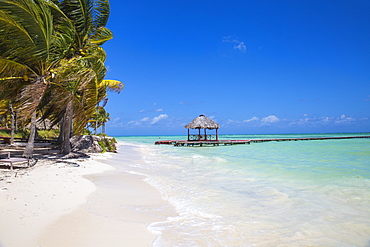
(291, 193)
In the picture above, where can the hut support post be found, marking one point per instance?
(216, 134)
(199, 136)
(188, 134)
(205, 134)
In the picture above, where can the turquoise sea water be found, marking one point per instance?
(298, 193)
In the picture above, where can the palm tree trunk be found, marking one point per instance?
(96, 127)
(16, 120)
(28, 151)
(12, 124)
(66, 128)
(61, 132)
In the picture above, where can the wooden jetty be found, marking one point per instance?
(201, 143)
(236, 142)
(203, 139)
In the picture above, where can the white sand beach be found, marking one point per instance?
(77, 203)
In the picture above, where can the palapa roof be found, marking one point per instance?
(202, 122)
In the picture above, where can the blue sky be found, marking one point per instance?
(257, 66)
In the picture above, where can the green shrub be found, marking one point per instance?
(48, 134)
(102, 145)
(17, 134)
(86, 132)
(108, 144)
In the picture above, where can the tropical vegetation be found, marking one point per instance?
(52, 64)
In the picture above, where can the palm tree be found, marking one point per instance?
(85, 65)
(103, 119)
(73, 97)
(98, 119)
(50, 52)
(34, 36)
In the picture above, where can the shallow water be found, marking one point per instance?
(303, 193)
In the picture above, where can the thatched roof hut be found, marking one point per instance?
(202, 122)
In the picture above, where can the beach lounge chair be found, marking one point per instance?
(12, 161)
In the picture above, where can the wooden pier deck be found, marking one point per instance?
(237, 142)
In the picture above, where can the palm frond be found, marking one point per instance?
(13, 32)
(36, 20)
(80, 12)
(112, 85)
(30, 97)
(12, 75)
(101, 12)
(101, 36)
(12, 68)
(63, 37)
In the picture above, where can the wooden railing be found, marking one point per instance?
(202, 138)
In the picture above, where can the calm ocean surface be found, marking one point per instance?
(303, 193)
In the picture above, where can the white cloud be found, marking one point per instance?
(160, 109)
(251, 120)
(240, 45)
(190, 102)
(231, 121)
(133, 123)
(344, 119)
(160, 117)
(145, 119)
(270, 119)
(301, 121)
(325, 119)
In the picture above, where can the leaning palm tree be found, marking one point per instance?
(73, 97)
(57, 47)
(83, 72)
(34, 37)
